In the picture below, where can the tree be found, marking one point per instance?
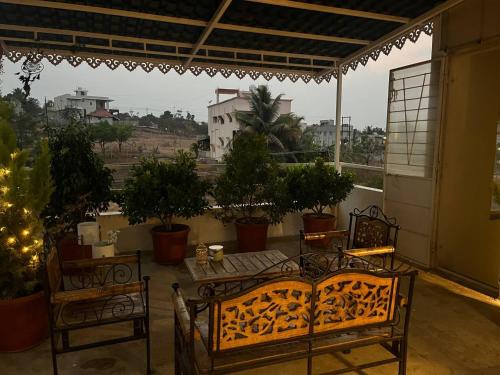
(264, 118)
(26, 118)
(123, 132)
(103, 133)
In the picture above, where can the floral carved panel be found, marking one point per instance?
(272, 312)
(352, 300)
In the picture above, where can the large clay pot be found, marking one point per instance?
(170, 247)
(318, 223)
(24, 322)
(251, 236)
(69, 249)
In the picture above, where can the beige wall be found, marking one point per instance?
(468, 241)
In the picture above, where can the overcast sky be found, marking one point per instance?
(364, 90)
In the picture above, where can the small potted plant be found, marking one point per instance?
(315, 188)
(23, 194)
(164, 190)
(251, 193)
(82, 187)
(106, 248)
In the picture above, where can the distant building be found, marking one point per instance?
(91, 108)
(222, 124)
(325, 133)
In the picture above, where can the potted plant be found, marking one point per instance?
(23, 194)
(251, 193)
(162, 190)
(82, 186)
(315, 188)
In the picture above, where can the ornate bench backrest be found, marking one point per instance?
(275, 311)
(372, 228)
(355, 299)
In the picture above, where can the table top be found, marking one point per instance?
(239, 267)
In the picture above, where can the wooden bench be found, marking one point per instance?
(94, 292)
(271, 322)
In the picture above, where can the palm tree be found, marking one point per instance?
(282, 132)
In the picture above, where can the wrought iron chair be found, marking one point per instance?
(93, 292)
(371, 233)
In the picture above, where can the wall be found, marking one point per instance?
(468, 241)
(207, 229)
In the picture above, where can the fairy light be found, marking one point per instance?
(25, 249)
(4, 172)
(25, 232)
(11, 240)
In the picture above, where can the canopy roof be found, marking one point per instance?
(295, 39)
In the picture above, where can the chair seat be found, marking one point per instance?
(296, 350)
(97, 311)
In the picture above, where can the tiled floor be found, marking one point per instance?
(453, 331)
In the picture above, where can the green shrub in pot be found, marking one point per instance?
(315, 188)
(164, 190)
(251, 192)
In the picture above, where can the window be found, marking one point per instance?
(412, 119)
(495, 198)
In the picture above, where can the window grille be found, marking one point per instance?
(412, 119)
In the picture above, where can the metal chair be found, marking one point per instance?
(371, 233)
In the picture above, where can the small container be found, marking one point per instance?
(217, 252)
(201, 254)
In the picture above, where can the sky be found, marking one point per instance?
(364, 90)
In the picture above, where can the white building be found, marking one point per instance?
(92, 108)
(222, 124)
(325, 133)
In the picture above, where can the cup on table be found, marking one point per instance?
(217, 252)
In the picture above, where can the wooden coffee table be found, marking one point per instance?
(240, 267)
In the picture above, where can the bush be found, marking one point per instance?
(82, 182)
(251, 188)
(161, 190)
(24, 192)
(316, 187)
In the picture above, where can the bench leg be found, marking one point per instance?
(402, 358)
(65, 339)
(53, 352)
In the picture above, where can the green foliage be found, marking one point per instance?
(282, 132)
(123, 131)
(26, 120)
(159, 189)
(316, 187)
(24, 192)
(251, 187)
(82, 182)
(103, 132)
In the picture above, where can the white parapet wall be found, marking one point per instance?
(207, 229)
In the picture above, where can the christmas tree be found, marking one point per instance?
(25, 189)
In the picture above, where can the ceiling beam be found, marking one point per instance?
(185, 21)
(121, 38)
(333, 10)
(291, 34)
(107, 11)
(208, 29)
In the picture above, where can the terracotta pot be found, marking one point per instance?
(69, 249)
(251, 236)
(318, 223)
(170, 247)
(24, 322)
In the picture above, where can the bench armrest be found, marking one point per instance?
(323, 235)
(368, 251)
(93, 293)
(181, 310)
